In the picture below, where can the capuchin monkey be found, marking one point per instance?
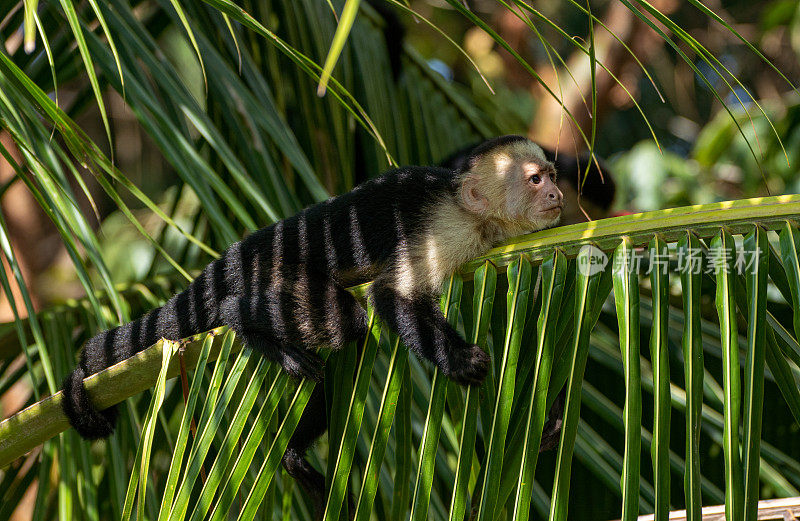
(282, 289)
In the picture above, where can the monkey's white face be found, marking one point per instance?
(515, 186)
(532, 195)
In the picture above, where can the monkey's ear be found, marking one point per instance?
(471, 195)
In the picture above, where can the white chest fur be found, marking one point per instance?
(452, 236)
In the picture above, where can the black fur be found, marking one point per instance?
(467, 157)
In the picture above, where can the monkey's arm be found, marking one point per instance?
(424, 330)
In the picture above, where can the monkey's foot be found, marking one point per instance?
(312, 482)
(469, 366)
(300, 363)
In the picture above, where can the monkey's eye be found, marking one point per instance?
(535, 179)
(553, 177)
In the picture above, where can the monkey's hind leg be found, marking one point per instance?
(424, 329)
(312, 425)
(284, 323)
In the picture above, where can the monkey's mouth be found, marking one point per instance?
(553, 208)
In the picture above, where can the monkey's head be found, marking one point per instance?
(509, 181)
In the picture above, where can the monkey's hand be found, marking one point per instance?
(301, 363)
(468, 366)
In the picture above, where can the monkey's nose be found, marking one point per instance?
(555, 195)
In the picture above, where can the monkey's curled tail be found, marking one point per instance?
(183, 315)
